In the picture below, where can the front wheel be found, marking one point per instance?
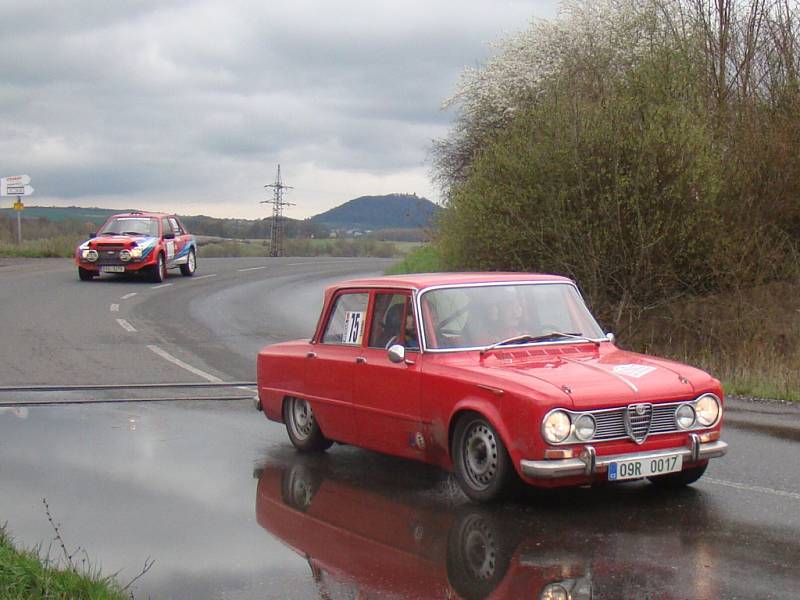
(188, 268)
(482, 465)
(160, 269)
(85, 274)
(302, 427)
(680, 479)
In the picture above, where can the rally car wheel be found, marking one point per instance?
(190, 267)
(302, 427)
(85, 274)
(680, 479)
(482, 465)
(160, 269)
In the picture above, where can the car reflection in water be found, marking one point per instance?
(373, 542)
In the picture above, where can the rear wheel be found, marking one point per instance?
(483, 467)
(302, 427)
(85, 274)
(160, 269)
(190, 266)
(681, 479)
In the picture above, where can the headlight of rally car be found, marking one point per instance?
(685, 416)
(124, 255)
(708, 410)
(556, 427)
(554, 591)
(136, 253)
(89, 254)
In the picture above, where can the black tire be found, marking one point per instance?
(482, 465)
(159, 269)
(303, 429)
(477, 555)
(188, 269)
(681, 479)
(85, 274)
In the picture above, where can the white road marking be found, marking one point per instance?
(163, 285)
(131, 295)
(204, 276)
(250, 269)
(178, 362)
(126, 326)
(114, 308)
(753, 488)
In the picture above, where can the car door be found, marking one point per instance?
(169, 244)
(180, 239)
(386, 394)
(331, 362)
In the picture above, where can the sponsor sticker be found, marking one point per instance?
(635, 371)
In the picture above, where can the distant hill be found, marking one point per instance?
(393, 211)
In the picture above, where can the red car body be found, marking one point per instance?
(354, 393)
(161, 243)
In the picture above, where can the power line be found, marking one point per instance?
(278, 225)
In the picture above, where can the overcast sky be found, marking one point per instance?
(189, 106)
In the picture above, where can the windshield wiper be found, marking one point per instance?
(131, 233)
(529, 338)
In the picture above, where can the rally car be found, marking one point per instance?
(138, 242)
(498, 376)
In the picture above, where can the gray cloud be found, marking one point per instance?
(114, 103)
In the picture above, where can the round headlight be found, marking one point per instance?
(554, 591)
(556, 427)
(684, 416)
(584, 427)
(124, 255)
(90, 254)
(136, 252)
(707, 409)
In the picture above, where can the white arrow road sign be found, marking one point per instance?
(15, 190)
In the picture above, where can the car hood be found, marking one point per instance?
(146, 243)
(590, 377)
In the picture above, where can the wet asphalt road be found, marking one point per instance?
(214, 494)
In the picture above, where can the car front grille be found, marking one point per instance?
(108, 254)
(654, 418)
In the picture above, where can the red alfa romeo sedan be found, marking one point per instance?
(500, 377)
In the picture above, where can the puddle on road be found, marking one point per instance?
(177, 484)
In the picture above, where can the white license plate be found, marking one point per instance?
(112, 269)
(644, 467)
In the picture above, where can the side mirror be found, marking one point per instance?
(397, 353)
(93, 235)
(610, 337)
(169, 236)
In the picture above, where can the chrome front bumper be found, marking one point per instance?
(589, 463)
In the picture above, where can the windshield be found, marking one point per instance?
(130, 226)
(478, 316)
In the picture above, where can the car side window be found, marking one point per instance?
(393, 322)
(165, 227)
(175, 226)
(346, 323)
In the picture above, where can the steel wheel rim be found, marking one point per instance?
(301, 417)
(480, 455)
(162, 267)
(191, 262)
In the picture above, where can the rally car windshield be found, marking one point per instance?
(130, 226)
(481, 316)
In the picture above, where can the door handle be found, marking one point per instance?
(311, 355)
(361, 360)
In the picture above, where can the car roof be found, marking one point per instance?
(141, 213)
(421, 281)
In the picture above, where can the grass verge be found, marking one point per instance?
(27, 575)
(62, 246)
(424, 259)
